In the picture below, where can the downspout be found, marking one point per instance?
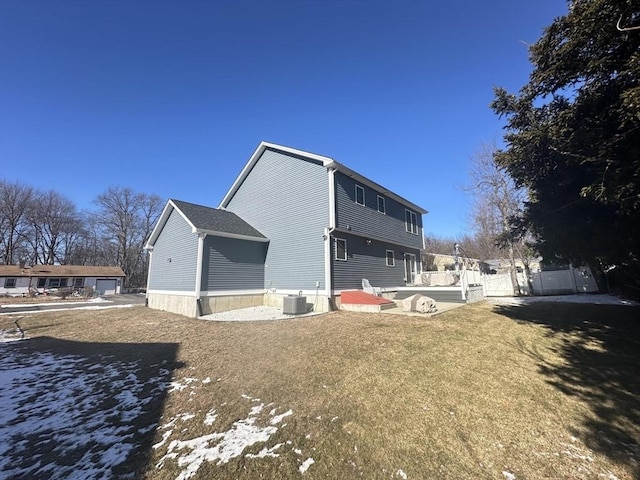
(146, 293)
(198, 289)
(328, 231)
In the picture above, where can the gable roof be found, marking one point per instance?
(325, 161)
(212, 221)
(60, 271)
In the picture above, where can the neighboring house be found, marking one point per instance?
(437, 262)
(19, 279)
(292, 223)
(503, 265)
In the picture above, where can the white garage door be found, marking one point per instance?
(106, 287)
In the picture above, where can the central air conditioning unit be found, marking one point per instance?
(294, 305)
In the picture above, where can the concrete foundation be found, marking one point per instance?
(180, 304)
(186, 305)
(230, 302)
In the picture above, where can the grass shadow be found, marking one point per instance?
(85, 409)
(600, 346)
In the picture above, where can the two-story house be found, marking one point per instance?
(293, 222)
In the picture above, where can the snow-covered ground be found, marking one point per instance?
(68, 417)
(597, 299)
(52, 304)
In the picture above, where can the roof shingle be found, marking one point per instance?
(216, 220)
(60, 271)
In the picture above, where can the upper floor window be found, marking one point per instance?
(359, 195)
(9, 283)
(382, 208)
(411, 221)
(340, 249)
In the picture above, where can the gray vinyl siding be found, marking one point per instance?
(174, 258)
(231, 264)
(287, 200)
(368, 261)
(366, 220)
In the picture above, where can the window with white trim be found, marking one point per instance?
(391, 259)
(42, 282)
(382, 208)
(340, 246)
(78, 282)
(359, 195)
(411, 221)
(9, 283)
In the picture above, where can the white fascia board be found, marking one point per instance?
(256, 156)
(376, 186)
(168, 208)
(236, 236)
(374, 238)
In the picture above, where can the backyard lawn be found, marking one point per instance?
(542, 391)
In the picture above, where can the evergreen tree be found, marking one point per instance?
(573, 136)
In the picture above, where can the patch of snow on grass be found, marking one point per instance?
(266, 452)
(60, 407)
(10, 336)
(179, 386)
(508, 475)
(165, 436)
(306, 464)
(220, 447)
(401, 474)
(278, 418)
(210, 417)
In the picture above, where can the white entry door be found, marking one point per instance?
(409, 268)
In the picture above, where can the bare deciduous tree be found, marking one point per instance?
(496, 203)
(55, 227)
(15, 201)
(125, 219)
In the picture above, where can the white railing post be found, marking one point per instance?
(463, 282)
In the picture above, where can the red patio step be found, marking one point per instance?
(358, 297)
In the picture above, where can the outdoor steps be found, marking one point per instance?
(359, 301)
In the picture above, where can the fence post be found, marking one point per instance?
(573, 279)
(463, 282)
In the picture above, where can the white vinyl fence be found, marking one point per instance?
(574, 280)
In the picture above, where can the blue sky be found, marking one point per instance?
(172, 97)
